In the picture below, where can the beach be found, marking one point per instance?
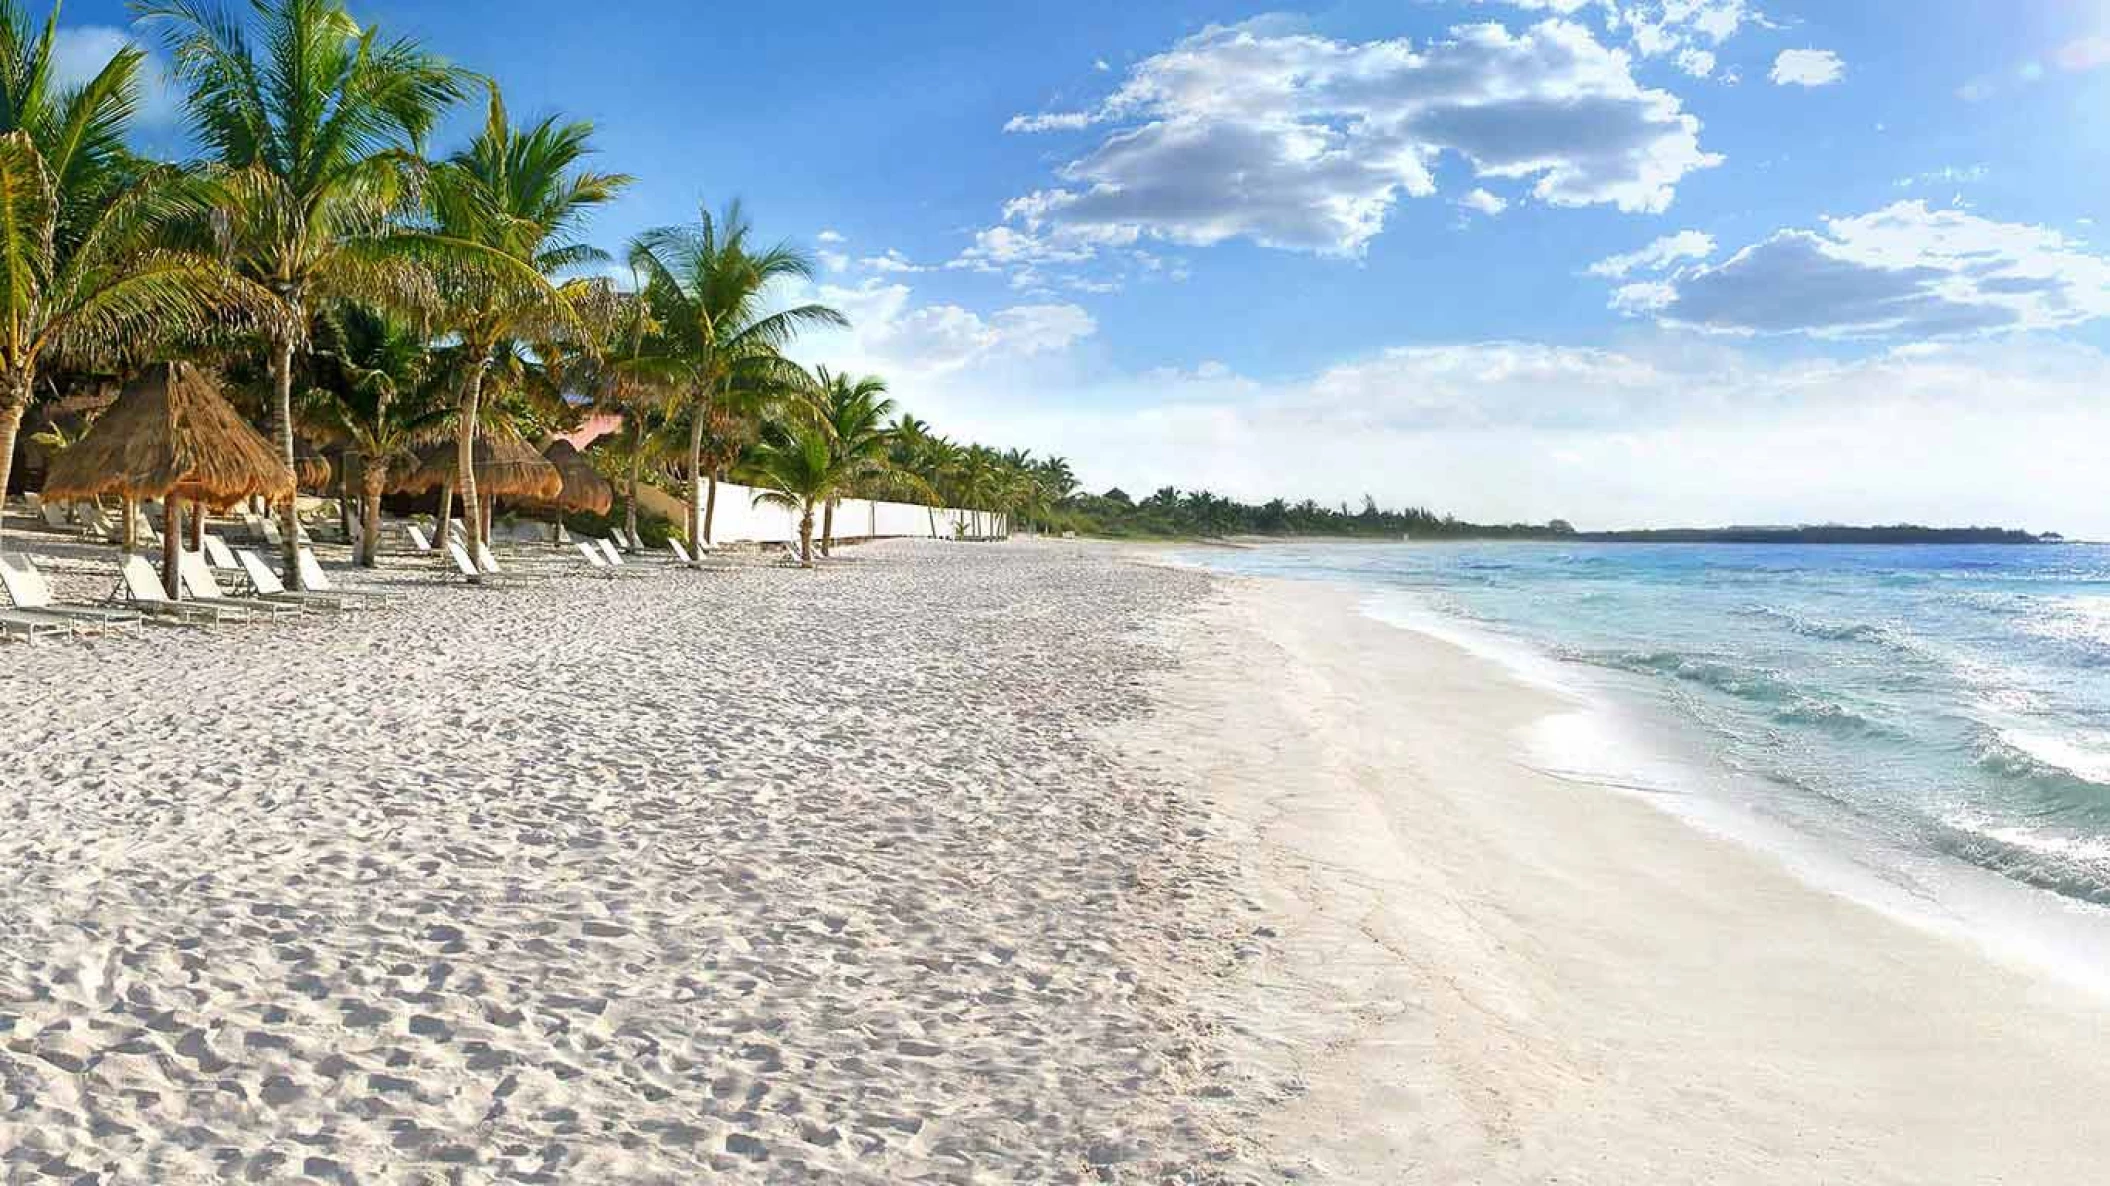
(1019, 862)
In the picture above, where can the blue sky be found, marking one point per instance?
(1403, 247)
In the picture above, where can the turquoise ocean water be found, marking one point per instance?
(1933, 720)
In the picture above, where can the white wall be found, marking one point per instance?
(739, 520)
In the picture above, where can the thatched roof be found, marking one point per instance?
(506, 467)
(310, 468)
(584, 487)
(170, 433)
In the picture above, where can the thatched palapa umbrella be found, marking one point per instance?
(506, 467)
(171, 436)
(310, 468)
(584, 487)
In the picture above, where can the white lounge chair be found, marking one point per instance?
(621, 541)
(55, 517)
(195, 578)
(314, 579)
(267, 586)
(139, 586)
(681, 554)
(462, 563)
(594, 560)
(219, 555)
(31, 594)
(30, 628)
(418, 538)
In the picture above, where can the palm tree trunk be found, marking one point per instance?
(171, 552)
(344, 492)
(373, 480)
(465, 452)
(695, 515)
(282, 410)
(806, 536)
(637, 463)
(828, 529)
(446, 528)
(197, 527)
(129, 534)
(710, 507)
(14, 404)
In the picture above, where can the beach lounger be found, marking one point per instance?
(621, 541)
(30, 628)
(417, 536)
(462, 563)
(140, 587)
(27, 588)
(314, 579)
(55, 517)
(219, 555)
(681, 554)
(267, 586)
(594, 559)
(195, 578)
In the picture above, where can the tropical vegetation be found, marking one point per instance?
(370, 299)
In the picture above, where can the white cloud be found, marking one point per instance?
(79, 53)
(1303, 142)
(1659, 434)
(1100, 65)
(2086, 53)
(1807, 68)
(1480, 200)
(1664, 252)
(891, 334)
(830, 236)
(1905, 271)
(1946, 175)
(1060, 121)
(1685, 30)
(892, 262)
(833, 261)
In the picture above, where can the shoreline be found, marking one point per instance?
(1481, 972)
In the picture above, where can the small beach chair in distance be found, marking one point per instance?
(30, 628)
(314, 579)
(195, 578)
(139, 586)
(270, 588)
(55, 517)
(462, 563)
(621, 541)
(681, 554)
(418, 538)
(219, 555)
(31, 594)
(595, 562)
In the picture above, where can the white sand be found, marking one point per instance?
(1482, 974)
(951, 863)
(757, 874)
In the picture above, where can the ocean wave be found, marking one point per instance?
(1786, 702)
(2075, 867)
(2057, 781)
(1873, 633)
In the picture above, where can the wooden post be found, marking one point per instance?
(171, 550)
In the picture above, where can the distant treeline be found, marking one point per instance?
(1170, 513)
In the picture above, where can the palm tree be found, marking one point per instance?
(609, 367)
(854, 413)
(379, 388)
(707, 287)
(796, 467)
(521, 194)
(313, 125)
(90, 276)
